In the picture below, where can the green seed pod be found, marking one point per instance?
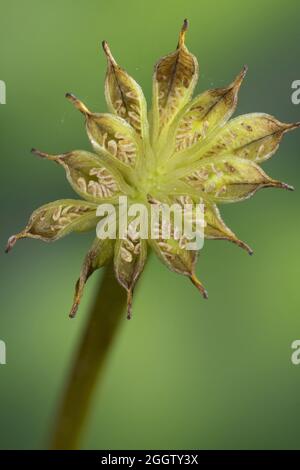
(189, 150)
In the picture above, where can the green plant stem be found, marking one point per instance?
(106, 313)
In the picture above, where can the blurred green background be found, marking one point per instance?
(184, 373)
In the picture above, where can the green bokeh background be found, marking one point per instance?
(184, 373)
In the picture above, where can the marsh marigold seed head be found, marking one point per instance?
(184, 149)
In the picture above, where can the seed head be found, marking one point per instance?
(188, 149)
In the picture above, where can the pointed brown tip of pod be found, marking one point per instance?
(76, 300)
(183, 30)
(73, 310)
(78, 104)
(199, 286)
(243, 72)
(244, 245)
(279, 184)
(39, 153)
(292, 126)
(11, 243)
(108, 53)
(129, 305)
(288, 187)
(43, 154)
(240, 77)
(185, 25)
